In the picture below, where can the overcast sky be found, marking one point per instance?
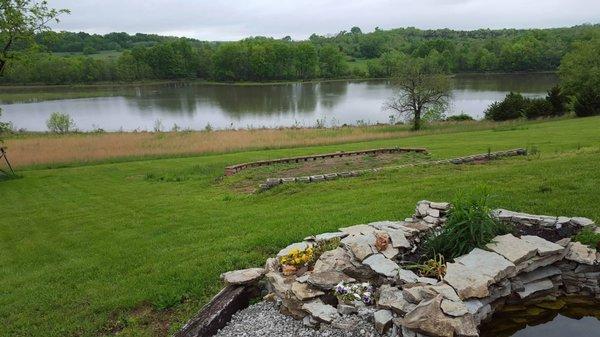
(236, 19)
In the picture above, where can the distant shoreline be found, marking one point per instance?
(198, 81)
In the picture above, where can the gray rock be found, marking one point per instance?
(443, 206)
(544, 247)
(534, 287)
(327, 236)
(583, 222)
(318, 177)
(383, 320)
(468, 283)
(360, 245)
(488, 263)
(321, 311)
(328, 279)
(452, 308)
(346, 309)
(358, 229)
(422, 207)
(305, 292)
(407, 276)
(418, 294)
(392, 298)
(431, 220)
(433, 212)
(540, 261)
(581, 253)
(429, 319)
(538, 274)
(513, 249)
(398, 239)
(381, 265)
(390, 252)
(298, 245)
(340, 260)
(244, 276)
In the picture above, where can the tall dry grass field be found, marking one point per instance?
(43, 149)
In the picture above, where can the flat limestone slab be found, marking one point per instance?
(244, 276)
(534, 287)
(358, 229)
(382, 265)
(488, 263)
(468, 283)
(321, 311)
(512, 248)
(544, 247)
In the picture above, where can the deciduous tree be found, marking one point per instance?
(418, 88)
(19, 21)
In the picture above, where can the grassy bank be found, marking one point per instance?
(101, 249)
(51, 150)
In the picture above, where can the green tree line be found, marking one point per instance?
(379, 54)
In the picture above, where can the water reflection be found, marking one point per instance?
(195, 105)
(569, 316)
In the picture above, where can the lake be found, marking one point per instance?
(192, 105)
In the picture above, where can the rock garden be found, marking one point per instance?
(441, 273)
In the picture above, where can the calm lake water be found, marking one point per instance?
(568, 316)
(194, 105)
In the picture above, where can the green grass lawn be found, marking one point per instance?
(97, 249)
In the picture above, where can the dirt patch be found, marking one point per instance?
(144, 317)
(248, 180)
(549, 233)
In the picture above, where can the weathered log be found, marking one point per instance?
(215, 315)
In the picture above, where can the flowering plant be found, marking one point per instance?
(350, 292)
(297, 258)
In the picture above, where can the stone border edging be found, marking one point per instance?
(272, 182)
(233, 169)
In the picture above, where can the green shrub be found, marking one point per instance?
(587, 103)
(60, 123)
(537, 107)
(469, 225)
(588, 237)
(558, 100)
(510, 108)
(458, 118)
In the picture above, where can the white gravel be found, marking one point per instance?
(264, 320)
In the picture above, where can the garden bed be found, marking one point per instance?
(340, 280)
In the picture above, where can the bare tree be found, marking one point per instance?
(417, 89)
(20, 20)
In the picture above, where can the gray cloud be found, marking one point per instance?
(236, 19)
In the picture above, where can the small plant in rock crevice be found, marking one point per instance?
(435, 267)
(469, 225)
(351, 292)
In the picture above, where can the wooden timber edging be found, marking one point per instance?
(272, 182)
(217, 313)
(233, 169)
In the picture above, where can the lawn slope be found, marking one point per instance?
(99, 249)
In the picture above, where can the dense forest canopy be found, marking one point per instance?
(66, 57)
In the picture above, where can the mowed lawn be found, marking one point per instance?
(101, 249)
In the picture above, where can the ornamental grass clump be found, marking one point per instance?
(469, 225)
(352, 292)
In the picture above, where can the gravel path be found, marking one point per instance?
(264, 320)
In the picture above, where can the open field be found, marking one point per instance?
(98, 249)
(52, 150)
